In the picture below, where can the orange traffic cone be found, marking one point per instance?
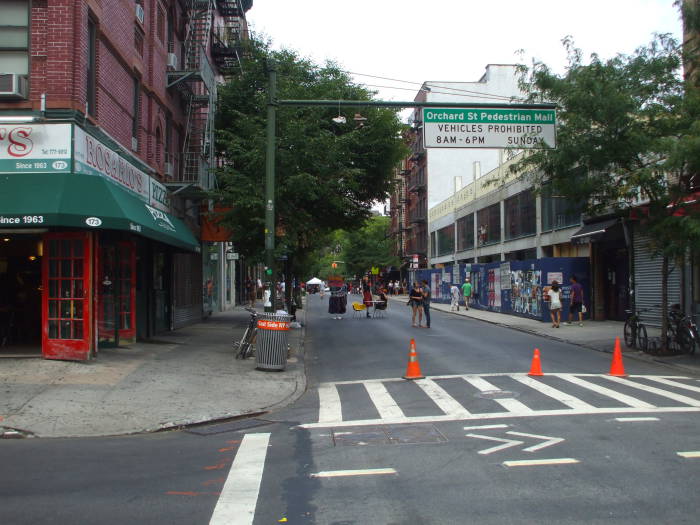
(413, 367)
(536, 367)
(617, 368)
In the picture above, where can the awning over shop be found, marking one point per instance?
(593, 232)
(42, 200)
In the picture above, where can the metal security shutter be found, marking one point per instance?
(647, 280)
(188, 289)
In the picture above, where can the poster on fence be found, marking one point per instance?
(505, 276)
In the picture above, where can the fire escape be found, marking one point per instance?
(196, 83)
(226, 48)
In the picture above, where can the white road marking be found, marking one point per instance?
(622, 398)
(658, 391)
(538, 462)
(363, 472)
(549, 440)
(383, 402)
(547, 390)
(239, 497)
(669, 382)
(449, 405)
(507, 443)
(509, 403)
(485, 427)
(330, 413)
(690, 454)
(329, 403)
(635, 419)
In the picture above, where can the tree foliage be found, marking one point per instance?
(328, 174)
(358, 249)
(628, 137)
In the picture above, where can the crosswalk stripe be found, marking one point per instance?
(449, 405)
(622, 398)
(509, 403)
(384, 403)
(658, 391)
(670, 382)
(552, 392)
(329, 403)
(389, 411)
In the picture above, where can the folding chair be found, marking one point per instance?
(358, 309)
(379, 309)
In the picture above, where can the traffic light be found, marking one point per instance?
(334, 265)
(268, 271)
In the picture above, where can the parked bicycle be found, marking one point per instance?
(635, 332)
(682, 331)
(245, 347)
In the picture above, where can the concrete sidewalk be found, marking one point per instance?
(188, 376)
(597, 335)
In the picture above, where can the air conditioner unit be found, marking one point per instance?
(169, 169)
(134, 143)
(172, 61)
(139, 13)
(13, 86)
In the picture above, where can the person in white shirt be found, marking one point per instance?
(555, 304)
(455, 294)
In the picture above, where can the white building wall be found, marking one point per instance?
(501, 83)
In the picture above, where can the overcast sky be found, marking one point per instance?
(454, 40)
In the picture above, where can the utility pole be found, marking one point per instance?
(270, 183)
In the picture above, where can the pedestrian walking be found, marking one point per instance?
(391, 287)
(555, 304)
(467, 292)
(576, 304)
(415, 301)
(367, 299)
(250, 291)
(454, 298)
(426, 302)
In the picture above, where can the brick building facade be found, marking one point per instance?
(106, 150)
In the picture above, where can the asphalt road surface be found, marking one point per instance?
(476, 441)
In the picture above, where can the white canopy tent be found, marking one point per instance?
(314, 280)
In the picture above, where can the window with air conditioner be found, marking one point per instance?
(14, 49)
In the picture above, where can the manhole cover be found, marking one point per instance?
(497, 394)
(231, 426)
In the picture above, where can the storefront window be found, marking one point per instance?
(520, 219)
(465, 233)
(489, 225)
(446, 240)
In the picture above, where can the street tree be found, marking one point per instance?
(329, 172)
(628, 138)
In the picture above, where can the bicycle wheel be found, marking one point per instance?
(242, 345)
(630, 335)
(642, 339)
(685, 340)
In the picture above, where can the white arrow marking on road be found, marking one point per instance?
(507, 443)
(548, 443)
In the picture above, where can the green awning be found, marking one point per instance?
(40, 200)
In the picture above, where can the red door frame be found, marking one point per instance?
(124, 333)
(62, 293)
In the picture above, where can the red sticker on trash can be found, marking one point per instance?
(273, 325)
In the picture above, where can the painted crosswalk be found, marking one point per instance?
(464, 397)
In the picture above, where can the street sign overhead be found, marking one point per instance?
(478, 127)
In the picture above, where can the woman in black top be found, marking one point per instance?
(416, 302)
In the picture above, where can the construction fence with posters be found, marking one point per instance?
(511, 287)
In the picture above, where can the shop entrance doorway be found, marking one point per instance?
(116, 293)
(20, 293)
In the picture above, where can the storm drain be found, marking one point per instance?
(230, 426)
(387, 435)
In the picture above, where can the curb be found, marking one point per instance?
(639, 356)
